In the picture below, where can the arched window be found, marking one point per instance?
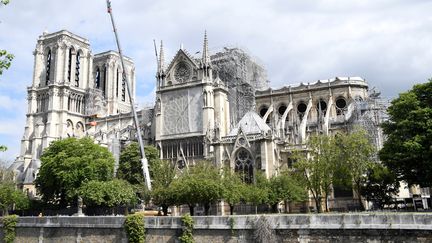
(104, 80)
(244, 165)
(341, 106)
(123, 87)
(321, 107)
(301, 109)
(69, 65)
(117, 82)
(77, 69)
(48, 67)
(97, 78)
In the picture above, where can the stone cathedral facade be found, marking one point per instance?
(214, 107)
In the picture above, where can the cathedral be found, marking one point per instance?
(215, 107)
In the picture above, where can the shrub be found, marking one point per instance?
(135, 230)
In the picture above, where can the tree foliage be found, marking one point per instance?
(67, 164)
(201, 184)
(130, 166)
(163, 176)
(11, 196)
(381, 186)
(5, 60)
(408, 148)
(285, 187)
(135, 228)
(233, 189)
(341, 160)
(108, 193)
(355, 152)
(317, 166)
(5, 57)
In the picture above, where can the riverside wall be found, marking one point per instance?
(349, 227)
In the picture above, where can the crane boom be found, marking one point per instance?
(144, 161)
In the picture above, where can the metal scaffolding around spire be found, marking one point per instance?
(131, 99)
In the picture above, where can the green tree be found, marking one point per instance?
(130, 166)
(163, 176)
(201, 184)
(355, 153)
(408, 148)
(67, 164)
(258, 192)
(11, 197)
(111, 194)
(317, 166)
(234, 189)
(3, 148)
(285, 187)
(381, 186)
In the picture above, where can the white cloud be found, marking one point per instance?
(386, 41)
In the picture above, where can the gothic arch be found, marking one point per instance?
(69, 128)
(244, 164)
(78, 57)
(48, 65)
(79, 130)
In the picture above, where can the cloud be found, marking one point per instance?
(386, 42)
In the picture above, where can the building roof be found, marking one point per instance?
(251, 123)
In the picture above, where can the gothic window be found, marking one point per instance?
(77, 69)
(97, 78)
(262, 111)
(281, 110)
(341, 105)
(104, 80)
(123, 91)
(69, 128)
(117, 82)
(69, 73)
(244, 165)
(48, 67)
(301, 109)
(321, 107)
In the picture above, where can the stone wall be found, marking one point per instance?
(362, 227)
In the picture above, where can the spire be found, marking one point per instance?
(161, 58)
(205, 53)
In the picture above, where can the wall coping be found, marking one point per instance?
(378, 221)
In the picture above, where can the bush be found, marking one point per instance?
(135, 230)
(9, 225)
(188, 224)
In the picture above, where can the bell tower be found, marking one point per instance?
(56, 97)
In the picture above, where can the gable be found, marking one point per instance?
(182, 69)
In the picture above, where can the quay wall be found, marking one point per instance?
(349, 227)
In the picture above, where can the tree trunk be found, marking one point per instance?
(231, 209)
(274, 208)
(362, 208)
(326, 203)
(206, 208)
(318, 204)
(191, 209)
(165, 210)
(286, 206)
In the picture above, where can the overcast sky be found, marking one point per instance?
(387, 42)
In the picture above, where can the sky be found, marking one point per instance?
(386, 42)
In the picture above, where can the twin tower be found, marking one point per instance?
(75, 93)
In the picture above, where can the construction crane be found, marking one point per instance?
(144, 161)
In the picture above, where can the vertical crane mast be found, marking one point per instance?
(144, 161)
